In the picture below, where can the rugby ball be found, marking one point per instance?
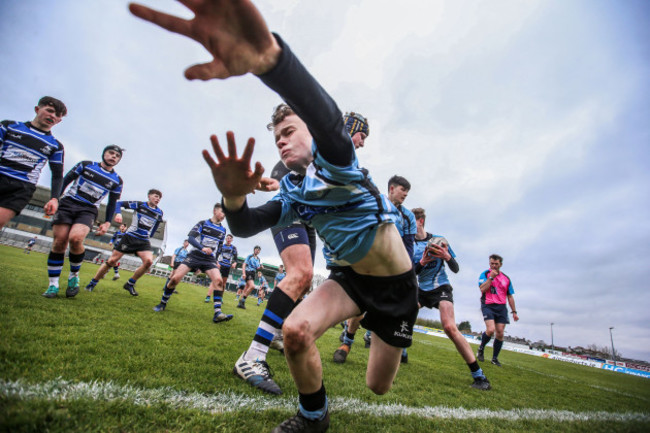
(437, 240)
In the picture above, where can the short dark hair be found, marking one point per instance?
(418, 213)
(496, 257)
(257, 247)
(280, 113)
(399, 180)
(218, 205)
(59, 106)
(155, 191)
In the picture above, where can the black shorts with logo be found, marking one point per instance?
(432, 298)
(73, 212)
(250, 275)
(390, 303)
(14, 193)
(131, 245)
(196, 260)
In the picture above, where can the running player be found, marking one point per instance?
(30, 244)
(145, 222)
(91, 183)
(436, 292)
(371, 270)
(296, 244)
(205, 239)
(114, 240)
(263, 288)
(249, 269)
(227, 259)
(25, 147)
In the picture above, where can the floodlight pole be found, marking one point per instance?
(612, 339)
(552, 343)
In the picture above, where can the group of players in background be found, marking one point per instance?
(384, 265)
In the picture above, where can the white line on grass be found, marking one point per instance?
(60, 389)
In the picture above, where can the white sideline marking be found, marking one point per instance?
(228, 402)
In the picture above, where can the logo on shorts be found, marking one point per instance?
(292, 236)
(404, 331)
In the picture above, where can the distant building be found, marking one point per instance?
(33, 221)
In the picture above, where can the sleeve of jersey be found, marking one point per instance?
(57, 180)
(247, 222)
(511, 290)
(482, 277)
(291, 80)
(193, 241)
(110, 206)
(74, 173)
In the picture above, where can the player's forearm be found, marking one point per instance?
(110, 206)
(57, 180)
(453, 265)
(485, 286)
(511, 302)
(291, 80)
(247, 222)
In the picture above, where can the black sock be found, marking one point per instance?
(497, 348)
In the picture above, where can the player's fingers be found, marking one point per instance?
(192, 5)
(248, 150)
(208, 159)
(207, 71)
(259, 171)
(232, 145)
(166, 21)
(217, 148)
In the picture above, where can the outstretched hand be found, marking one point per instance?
(233, 32)
(232, 175)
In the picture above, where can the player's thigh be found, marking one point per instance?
(489, 326)
(180, 272)
(215, 275)
(6, 215)
(447, 315)
(300, 270)
(327, 305)
(114, 258)
(145, 256)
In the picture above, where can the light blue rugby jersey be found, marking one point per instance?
(252, 263)
(406, 223)
(433, 274)
(341, 203)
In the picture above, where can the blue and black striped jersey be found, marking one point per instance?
(25, 150)
(228, 255)
(145, 220)
(208, 234)
(91, 183)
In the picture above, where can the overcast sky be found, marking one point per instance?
(524, 128)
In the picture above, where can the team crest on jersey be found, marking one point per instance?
(46, 150)
(109, 184)
(14, 135)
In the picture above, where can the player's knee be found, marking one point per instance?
(379, 387)
(146, 262)
(110, 263)
(297, 282)
(450, 329)
(296, 336)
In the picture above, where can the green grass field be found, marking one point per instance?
(105, 362)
